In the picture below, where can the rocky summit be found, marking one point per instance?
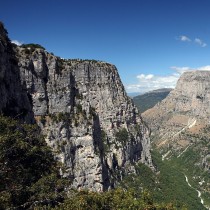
(81, 108)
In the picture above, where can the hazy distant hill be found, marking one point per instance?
(149, 99)
(131, 95)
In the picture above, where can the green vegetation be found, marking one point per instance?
(106, 146)
(60, 66)
(79, 108)
(32, 46)
(96, 63)
(191, 161)
(43, 119)
(59, 117)
(29, 174)
(122, 136)
(148, 100)
(29, 177)
(167, 185)
(3, 28)
(92, 113)
(79, 96)
(3, 38)
(63, 116)
(118, 199)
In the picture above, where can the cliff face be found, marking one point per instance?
(14, 99)
(180, 128)
(189, 101)
(84, 114)
(181, 121)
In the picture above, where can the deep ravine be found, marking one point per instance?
(199, 193)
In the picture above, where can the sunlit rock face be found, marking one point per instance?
(82, 110)
(190, 98)
(185, 110)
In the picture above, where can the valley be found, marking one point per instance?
(180, 132)
(100, 153)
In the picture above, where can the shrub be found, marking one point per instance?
(32, 46)
(122, 136)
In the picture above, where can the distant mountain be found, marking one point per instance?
(131, 95)
(148, 100)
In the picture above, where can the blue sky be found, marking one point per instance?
(150, 41)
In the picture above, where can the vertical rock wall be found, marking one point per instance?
(13, 96)
(82, 110)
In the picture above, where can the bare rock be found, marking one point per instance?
(82, 110)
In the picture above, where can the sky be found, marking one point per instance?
(151, 42)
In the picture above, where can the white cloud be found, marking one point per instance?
(148, 82)
(147, 77)
(17, 42)
(200, 42)
(180, 70)
(184, 38)
(152, 82)
(197, 41)
(204, 68)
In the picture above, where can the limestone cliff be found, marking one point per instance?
(14, 100)
(181, 120)
(180, 129)
(84, 114)
(184, 107)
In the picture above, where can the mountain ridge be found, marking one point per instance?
(149, 99)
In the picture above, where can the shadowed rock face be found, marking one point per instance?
(84, 114)
(13, 96)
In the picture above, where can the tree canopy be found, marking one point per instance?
(27, 166)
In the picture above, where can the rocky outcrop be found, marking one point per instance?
(183, 116)
(14, 99)
(192, 94)
(84, 114)
(189, 101)
(180, 127)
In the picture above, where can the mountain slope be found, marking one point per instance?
(167, 185)
(180, 129)
(148, 100)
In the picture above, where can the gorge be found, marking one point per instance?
(99, 137)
